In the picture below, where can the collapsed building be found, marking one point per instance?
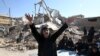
(81, 21)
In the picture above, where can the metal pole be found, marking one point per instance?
(48, 11)
(9, 13)
(35, 9)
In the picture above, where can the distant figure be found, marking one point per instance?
(85, 31)
(91, 34)
(70, 44)
(25, 28)
(79, 46)
(18, 40)
(63, 42)
(46, 41)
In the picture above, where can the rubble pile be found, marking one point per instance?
(20, 39)
(11, 45)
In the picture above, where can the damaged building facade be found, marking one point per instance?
(5, 22)
(81, 21)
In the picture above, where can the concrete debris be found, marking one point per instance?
(12, 45)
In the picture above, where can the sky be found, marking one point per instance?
(67, 8)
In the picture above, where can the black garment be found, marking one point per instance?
(78, 46)
(47, 46)
(85, 46)
(63, 43)
(92, 45)
(96, 53)
(85, 31)
(19, 38)
(91, 34)
(70, 43)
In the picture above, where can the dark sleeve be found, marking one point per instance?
(59, 32)
(35, 32)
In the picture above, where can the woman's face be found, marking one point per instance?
(46, 33)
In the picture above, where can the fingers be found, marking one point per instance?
(25, 14)
(28, 17)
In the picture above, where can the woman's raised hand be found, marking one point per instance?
(29, 18)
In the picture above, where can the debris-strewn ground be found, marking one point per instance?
(33, 52)
(4, 52)
(11, 49)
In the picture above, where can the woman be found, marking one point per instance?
(91, 34)
(46, 42)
